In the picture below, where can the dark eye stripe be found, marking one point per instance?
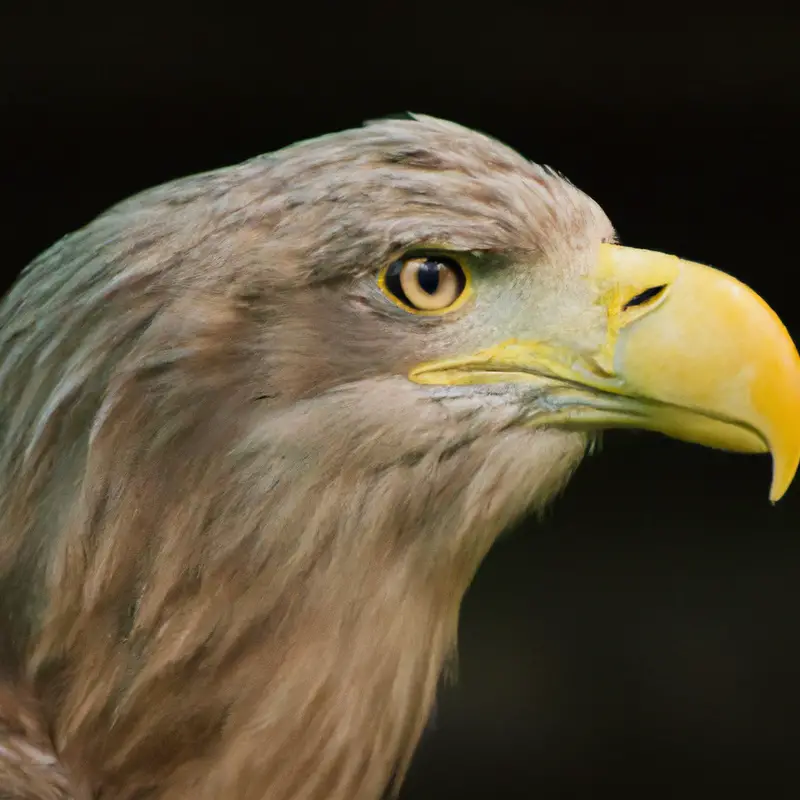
(645, 296)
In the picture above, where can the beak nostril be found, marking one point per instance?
(645, 297)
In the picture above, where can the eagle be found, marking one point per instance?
(259, 427)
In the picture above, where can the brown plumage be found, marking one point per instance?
(234, 536)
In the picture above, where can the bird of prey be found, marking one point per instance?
(259, 427)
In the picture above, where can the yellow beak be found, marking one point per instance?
(689, 351)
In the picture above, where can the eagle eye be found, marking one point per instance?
(426, 284)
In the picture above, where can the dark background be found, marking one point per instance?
(645, 638)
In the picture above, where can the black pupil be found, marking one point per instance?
(428, 276)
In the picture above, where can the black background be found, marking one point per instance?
(645, 638)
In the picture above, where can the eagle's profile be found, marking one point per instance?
(258, 428)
